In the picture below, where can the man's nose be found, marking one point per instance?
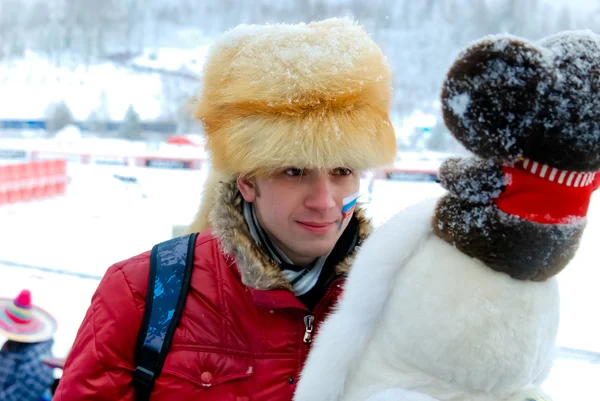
(321, 196)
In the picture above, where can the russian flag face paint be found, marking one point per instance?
(348, 205)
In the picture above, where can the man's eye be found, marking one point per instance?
(342, 171)
(294, 172)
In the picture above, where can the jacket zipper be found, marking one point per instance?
(309, 326)
(309, 321)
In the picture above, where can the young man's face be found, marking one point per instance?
(301, 210)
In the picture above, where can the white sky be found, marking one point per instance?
(582, 5)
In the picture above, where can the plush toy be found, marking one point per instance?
(456, 299)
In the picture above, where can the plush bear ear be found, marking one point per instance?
(490, 95)
(568, 137)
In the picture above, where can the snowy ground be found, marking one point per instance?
(60, 248)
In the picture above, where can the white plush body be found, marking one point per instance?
(421, 321)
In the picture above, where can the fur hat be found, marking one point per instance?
(309, 95)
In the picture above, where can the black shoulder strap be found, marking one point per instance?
(171, 265)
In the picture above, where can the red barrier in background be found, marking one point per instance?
(35, 180)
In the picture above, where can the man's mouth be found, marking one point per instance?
(315, 226)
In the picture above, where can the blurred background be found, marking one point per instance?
(100, 157)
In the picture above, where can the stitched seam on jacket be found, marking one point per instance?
(96, 348)
(126, 389)
(220, 283)
(226, 351)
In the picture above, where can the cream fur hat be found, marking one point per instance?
(308, 95)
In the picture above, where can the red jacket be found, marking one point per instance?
(241, 335)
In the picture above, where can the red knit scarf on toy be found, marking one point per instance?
(543, 194)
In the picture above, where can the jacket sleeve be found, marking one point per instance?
(100, 364)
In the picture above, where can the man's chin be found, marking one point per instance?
(318, 248)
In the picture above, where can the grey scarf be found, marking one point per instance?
(302, 278)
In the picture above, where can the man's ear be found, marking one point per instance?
(248, 188)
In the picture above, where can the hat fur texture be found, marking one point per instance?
(307, 95)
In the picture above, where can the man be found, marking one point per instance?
(292, 114)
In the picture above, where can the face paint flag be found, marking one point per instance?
(348, 205)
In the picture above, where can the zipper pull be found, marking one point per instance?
(308, 323)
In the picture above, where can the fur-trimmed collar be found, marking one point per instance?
(257, 269)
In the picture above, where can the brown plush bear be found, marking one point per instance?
(455, 299)
(532, 116)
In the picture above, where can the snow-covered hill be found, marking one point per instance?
(156, 83)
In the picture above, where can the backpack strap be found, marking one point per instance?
(171, 265)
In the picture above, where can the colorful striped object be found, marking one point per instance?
(19, 311)
(563, 177)
(23, 322)
(348, 204)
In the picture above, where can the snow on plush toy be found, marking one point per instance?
(456, 299)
